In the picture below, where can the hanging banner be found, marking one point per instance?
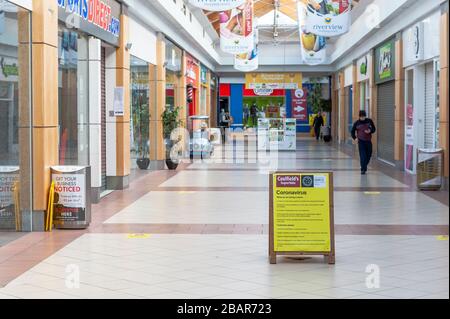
(300, 104)
(275, 81)
(248, 62)
(236, 29)
(313, 46)
(328, 18)
(216, 5)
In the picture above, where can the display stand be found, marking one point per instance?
(277, 134)
(301, 215)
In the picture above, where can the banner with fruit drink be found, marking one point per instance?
(216, 5)
(236, 29)
(248, 62)
(313, 46)
(328, 18)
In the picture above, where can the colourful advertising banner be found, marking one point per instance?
(313, 46)
(9, 176)
(236, 29)
(327, 18)
(302, 212)
(275, 81)
(300, 104)
(409, 138)
(248, 62)
(70, 197)
(216, 5)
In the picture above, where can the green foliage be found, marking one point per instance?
(170, 120)
(315, 96)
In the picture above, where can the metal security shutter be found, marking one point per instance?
(430, 107)
(385, 119)
(103, 131)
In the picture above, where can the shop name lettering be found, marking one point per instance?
(288, 181)
(333, 27)
(96, 12)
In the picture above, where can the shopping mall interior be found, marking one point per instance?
(224, 149)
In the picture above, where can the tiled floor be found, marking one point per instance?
(201, 232)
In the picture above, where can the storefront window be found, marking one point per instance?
(73, 90)
(140, 113)
(15, 121)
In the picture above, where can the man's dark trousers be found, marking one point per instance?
(365, 154)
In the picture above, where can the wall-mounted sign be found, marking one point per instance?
(301, 214)
(283, 81)
(385, 62)
(363, 68)
(216, 5)
(192, 71)
(300, 104)
(97, 17)
(313, 46)
(9, 67)
(236, 29)
(119, 103)
(203, 75)
(409, 138)
(328, 18)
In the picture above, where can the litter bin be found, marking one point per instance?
(72, 205)
(430, 173)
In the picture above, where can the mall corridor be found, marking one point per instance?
(202, 232)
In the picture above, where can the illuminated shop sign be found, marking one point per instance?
(96, 17)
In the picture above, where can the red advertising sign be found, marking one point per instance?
(300, 104)
(192, 71)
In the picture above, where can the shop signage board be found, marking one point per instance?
(216, 5)
(275, 81)
(363, 68)
(313, 46)
(72, 201)
(9, 176)
(236, 29)
(415, 43)
(385, 62)
(300, 104)
(99, 18)
(301, 216)
(328, 18)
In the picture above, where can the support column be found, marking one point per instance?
(356, 98)
(342, 100)
(180, 92)
(157, 105)
(45, 103)
(208, 96)
(399, 124)
(443, 93)
(373, 102)
(120, 179)
(95, 118)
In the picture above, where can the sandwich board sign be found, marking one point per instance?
(301, 216)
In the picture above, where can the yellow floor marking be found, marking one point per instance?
(442, 237)
(138, 236)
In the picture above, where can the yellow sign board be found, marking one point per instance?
(275, 81)
(301, 210)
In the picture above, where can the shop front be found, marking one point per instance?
(385, 82)
(193, 86)
(421, 67)
(15, 119)
(88, 95)
(213, 83)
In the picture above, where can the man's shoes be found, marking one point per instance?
(363, 172)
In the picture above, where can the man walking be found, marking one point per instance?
(362, 131)
(317, 124)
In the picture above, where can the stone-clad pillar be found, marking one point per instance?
(157, 105)
(121, 179)
(44, 103)
(373, 102)
(342, 101)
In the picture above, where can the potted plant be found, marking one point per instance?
(143, 130)
(170, 121)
